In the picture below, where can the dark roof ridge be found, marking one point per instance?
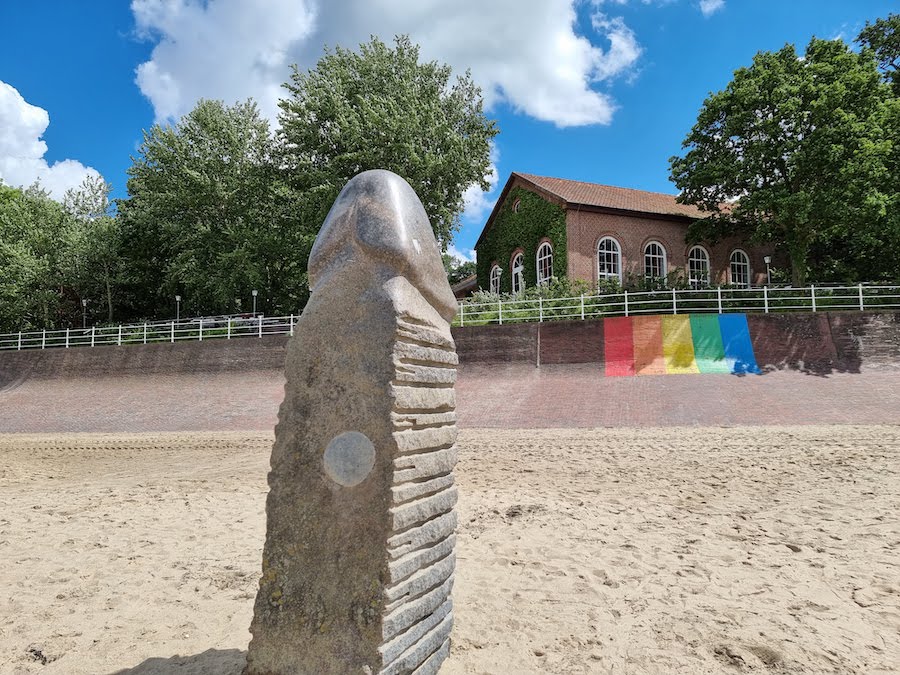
(531, 176)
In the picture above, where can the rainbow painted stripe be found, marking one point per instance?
(668, 345)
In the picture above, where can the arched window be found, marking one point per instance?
(740, 269)
(609, 260)
(518, 273)
(698, 267)
(544, 263)
(654, 261)
(516, 205)
(495, 278)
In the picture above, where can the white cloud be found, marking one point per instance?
(524, 52)
(223, 49)
(22, 150)
(477, 203)
(709, 7)
(466, 254)
(624, 49)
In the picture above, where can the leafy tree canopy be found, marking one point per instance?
(380, 108)
(457, 269)
(205, 217)
(883, 38)
(33, 282)
(92, 244)
(794, 151)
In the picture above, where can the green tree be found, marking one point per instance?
(208, 217)
(458, 269)
(33, 291)
(380, 108)
(791, 151)
(883, 38)
(92, 243)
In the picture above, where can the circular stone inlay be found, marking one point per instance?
(349, 457)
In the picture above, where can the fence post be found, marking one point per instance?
(145, 332)
(861, 303)
(93, 334)
(674, 302)
(812, 294)
(719, 296)
(462, 315)
(292, 325)
(582, 306)
(540, 309)
(120, 335)
(766, 298)
(19, 348)
(201, 330)
(173, 332)
(626, 303)
(260, 326)
(43, 338)
(500, 309)
(67, 338)
(229, 329)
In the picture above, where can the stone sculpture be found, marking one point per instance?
(359, 554)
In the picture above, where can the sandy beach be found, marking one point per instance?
(677, 550)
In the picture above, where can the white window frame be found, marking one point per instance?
(662, 259)
(496, 273)
(742, 261)
(701, 280)
(544, 260)
(518, 272)
(610, 255)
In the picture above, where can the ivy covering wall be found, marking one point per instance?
(536, 219)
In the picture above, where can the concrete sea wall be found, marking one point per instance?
(237, 385)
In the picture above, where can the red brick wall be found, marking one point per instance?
(795, 341)
(571, 342)
(209, 356)
(841, 340)
(586, 228)
(866, 338)
(511, 343)
(818, 343)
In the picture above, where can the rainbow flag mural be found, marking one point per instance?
(668, 345)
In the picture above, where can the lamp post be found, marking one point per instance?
(83, 313)
(254, 292)
(768, 259)
(177, 308)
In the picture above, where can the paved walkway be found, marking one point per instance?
(578, 396)
(495, 396)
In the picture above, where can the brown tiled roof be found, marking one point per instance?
(576, 192)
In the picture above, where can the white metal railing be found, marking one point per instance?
(767, 299)
(204, 328)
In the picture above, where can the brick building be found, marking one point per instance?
(543, 227)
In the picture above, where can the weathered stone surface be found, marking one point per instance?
(408, 491)
(423, 535)
(410, 563)
(423, 399)
(424, 465)
(406, 643)
(358, 561)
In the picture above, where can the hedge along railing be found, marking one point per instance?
(151, 332)
(721, 300)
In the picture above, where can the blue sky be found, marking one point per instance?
(594, 90)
